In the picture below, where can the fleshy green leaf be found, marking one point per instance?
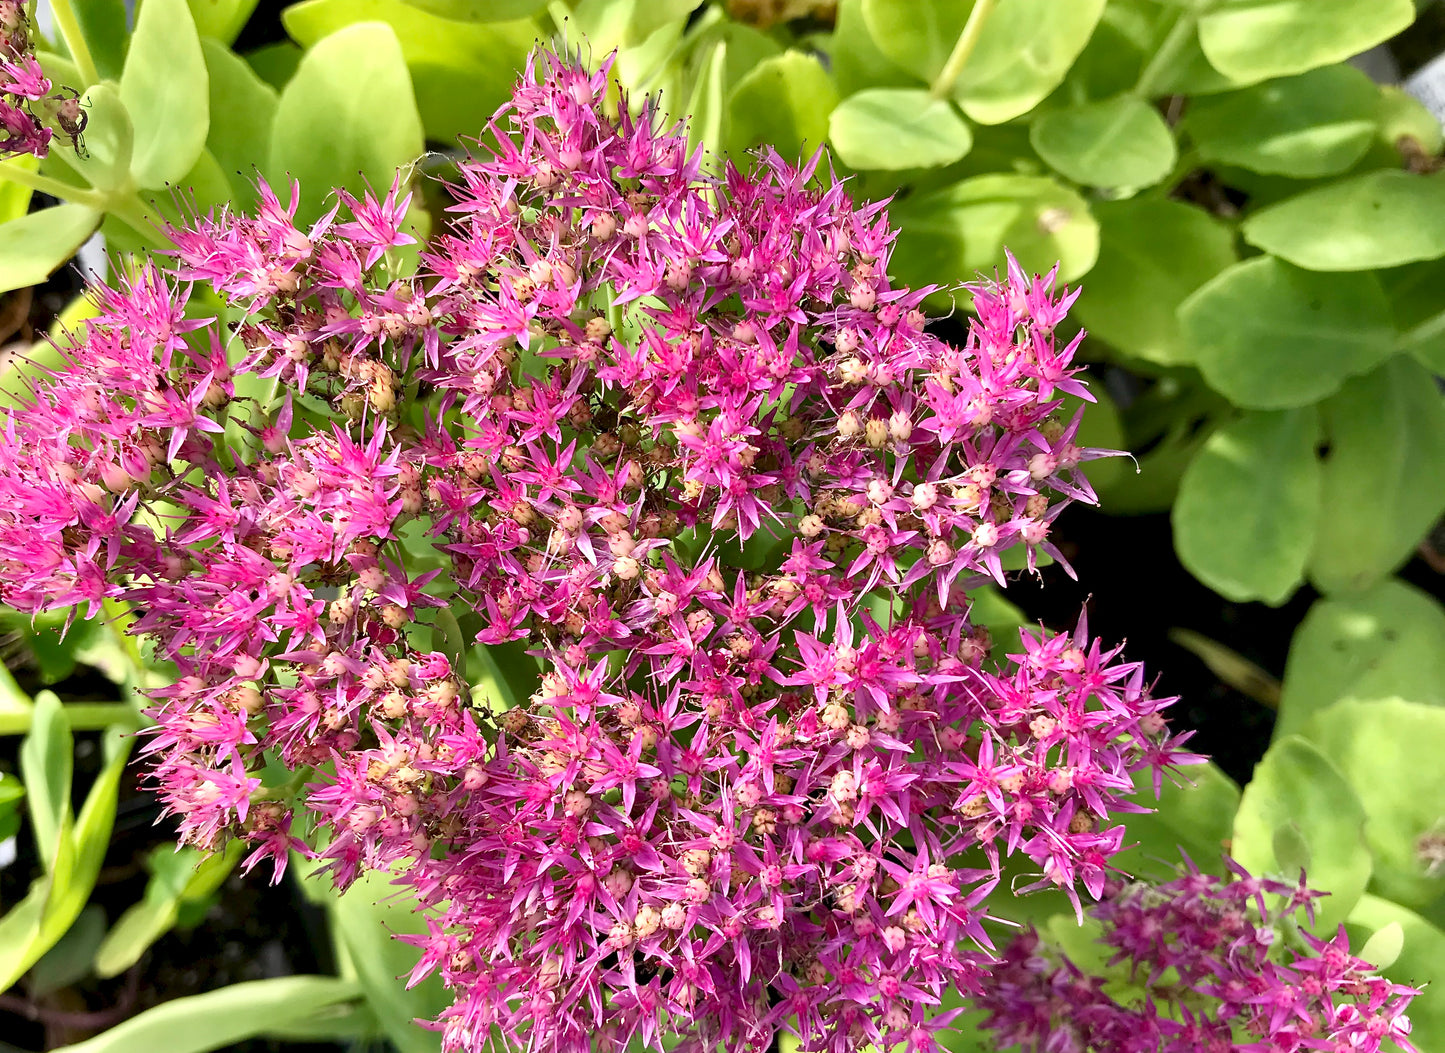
(1296, 786)
(1385, 643)
(608, 24)
(109, 139)
(275, 63)
(178, 877)
(1401, 115)
(460, 72)
(1315, 124)
(1152, 254)
(1269, 335)
(1253, 40)
(203, 1022)
(1195, 812)
(1389, 750)
(166, 92)
(15, 197)
(33, 246)
(328, 132)
(221, 20)
(46, 765)
(953, 234)
(1118, 142)
(243, 108)
(364, 921)
(103, 24)
(1414, 294)
(1388, 428)
(784, 102)
(1023, 53)
(1245, 517)
(894, 128)
(1379, 219)
(918, 35)
(12, 793)
(69, 960)
(856, 61)
(480, 10)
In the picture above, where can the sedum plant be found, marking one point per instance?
(613, 579)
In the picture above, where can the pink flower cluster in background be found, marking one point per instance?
(1206, 975)
(683, 440)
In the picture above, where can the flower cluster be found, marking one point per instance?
(1204, 973)
(22, 85)
(675, 452)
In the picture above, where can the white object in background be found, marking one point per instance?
(7, 852)
(1428, 85)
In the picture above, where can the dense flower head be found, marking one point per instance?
(23, 85)
(1202, 964)
(693, 470)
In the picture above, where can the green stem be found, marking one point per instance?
(962, 48)
(1178, 38)
(46, 185)
(130, 210)
(82, 716)
(1426, 330)
(69, 27)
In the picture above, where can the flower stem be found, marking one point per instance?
(962, 48)
(69, 27)
(82, 716)
(1178, 36)
(46, 185)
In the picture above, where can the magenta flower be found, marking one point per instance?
(669, 434)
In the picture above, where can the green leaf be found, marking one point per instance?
(1245, 517)
(608, 24)
(1316, 124)
(954, 234)
(46, 759)
(1119, 142)
(275, 63)
(1195, 812)
(480, 10)
(1269, 335)
(460, 72)
(707, 106)
(1253, 40)
(784, 103)
(918, 35)
(1420, 963)
(33, 246)
(15, 197)
(103, 25)
(70, 959)
(1400, 115)
(12, 792)
(1023, 54)
(1389, 750)
(203, 1022)
(220, 20)
(854, 57)
(1387, 427)
(328, 132)
(1152, 254)
(1379, 219)
(894, 128)
(109, 140)
(166, 92)
(1414, 293)
(243, 109)
(365, 921)
(1295, 785)
(1387, 642)
(178, 877)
